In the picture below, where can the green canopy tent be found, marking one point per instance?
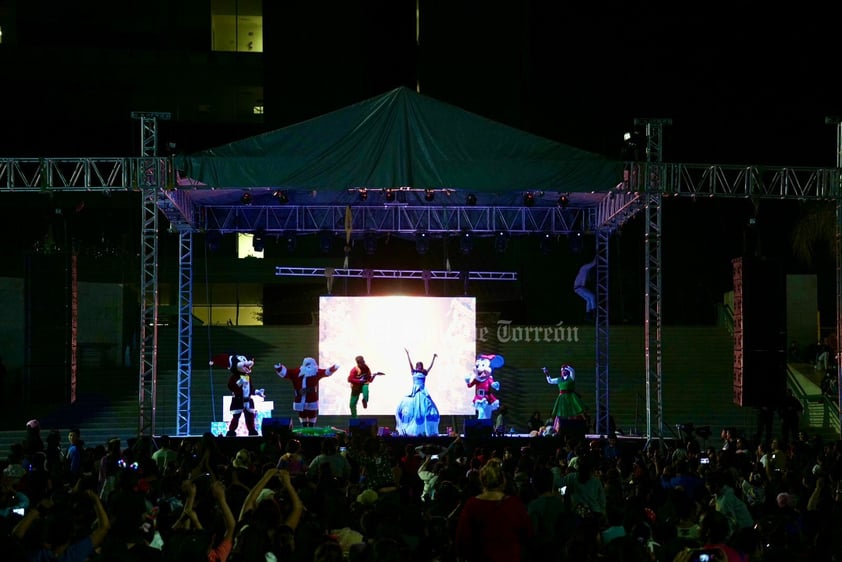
(404, 141)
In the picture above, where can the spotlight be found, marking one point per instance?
(563, 201)
(281, 196)
(422, 243)
(258, 241)
(246, 198)
(501, 242)
(546, 243)
(390, 196)
(466, 242)
(528, 199)
(471, 199)
(291, 240)
(370, 244)
(576, 241)
(325, 241)
(429, 195)
(213, 240)
(363, 193)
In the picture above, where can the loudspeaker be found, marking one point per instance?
(362, 426)
(759, 332)
(574, 430)
(477, 428)
(280, 426)
(759, 304)
(763, 378)
(49, 328)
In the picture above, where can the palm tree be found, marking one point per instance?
(814, 233)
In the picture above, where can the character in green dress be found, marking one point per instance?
(568, 405)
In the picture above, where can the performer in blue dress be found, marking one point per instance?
(417, 414)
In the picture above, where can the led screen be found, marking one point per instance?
(379, 329)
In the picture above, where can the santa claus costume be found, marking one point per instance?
(483, 382)
(305, 382)
(240, 385)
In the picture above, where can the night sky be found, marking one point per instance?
(741, 88)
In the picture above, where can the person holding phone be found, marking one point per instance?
(12, 500)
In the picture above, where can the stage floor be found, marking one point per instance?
(311, 441)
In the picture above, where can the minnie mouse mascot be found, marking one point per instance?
(239, 383)
(305, 381)
(484, 401)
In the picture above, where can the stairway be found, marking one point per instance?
(821, 414)
(106, 406)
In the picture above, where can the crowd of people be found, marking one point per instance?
(367, 498)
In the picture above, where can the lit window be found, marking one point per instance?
(246, 247)
(237, 25)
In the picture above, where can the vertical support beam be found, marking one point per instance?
(652, 321)
(74, 324)
(150, 178)
(603, 411)
(838, 295)
(185, 331)
(837, 195)
(148, 313)
(654, 184)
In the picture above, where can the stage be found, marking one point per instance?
(311, 440)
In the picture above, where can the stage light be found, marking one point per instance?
(281, 196)
(546, 243)
(422, 243)
(563, 201)
(390, 195)
(326, 241)
(471, 199)
(576, 242)
(258, 241)
(466, 242)
(528, 199)
(501, 242)
(291, 240)
(363, 193)
(370, 244)
(429, 195)
(245, 199)
(213, 240)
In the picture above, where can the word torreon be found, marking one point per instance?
(508, 333)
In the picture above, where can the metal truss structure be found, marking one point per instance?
(150, 177)
(603, 411)
(43, 175)
(434, 274)
(369, 274)
(397, 219)
(642, 191)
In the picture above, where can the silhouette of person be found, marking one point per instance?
(580, 288)
(790, 413)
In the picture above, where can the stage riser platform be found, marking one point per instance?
(311, 445)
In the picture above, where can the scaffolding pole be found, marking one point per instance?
(150, 179)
